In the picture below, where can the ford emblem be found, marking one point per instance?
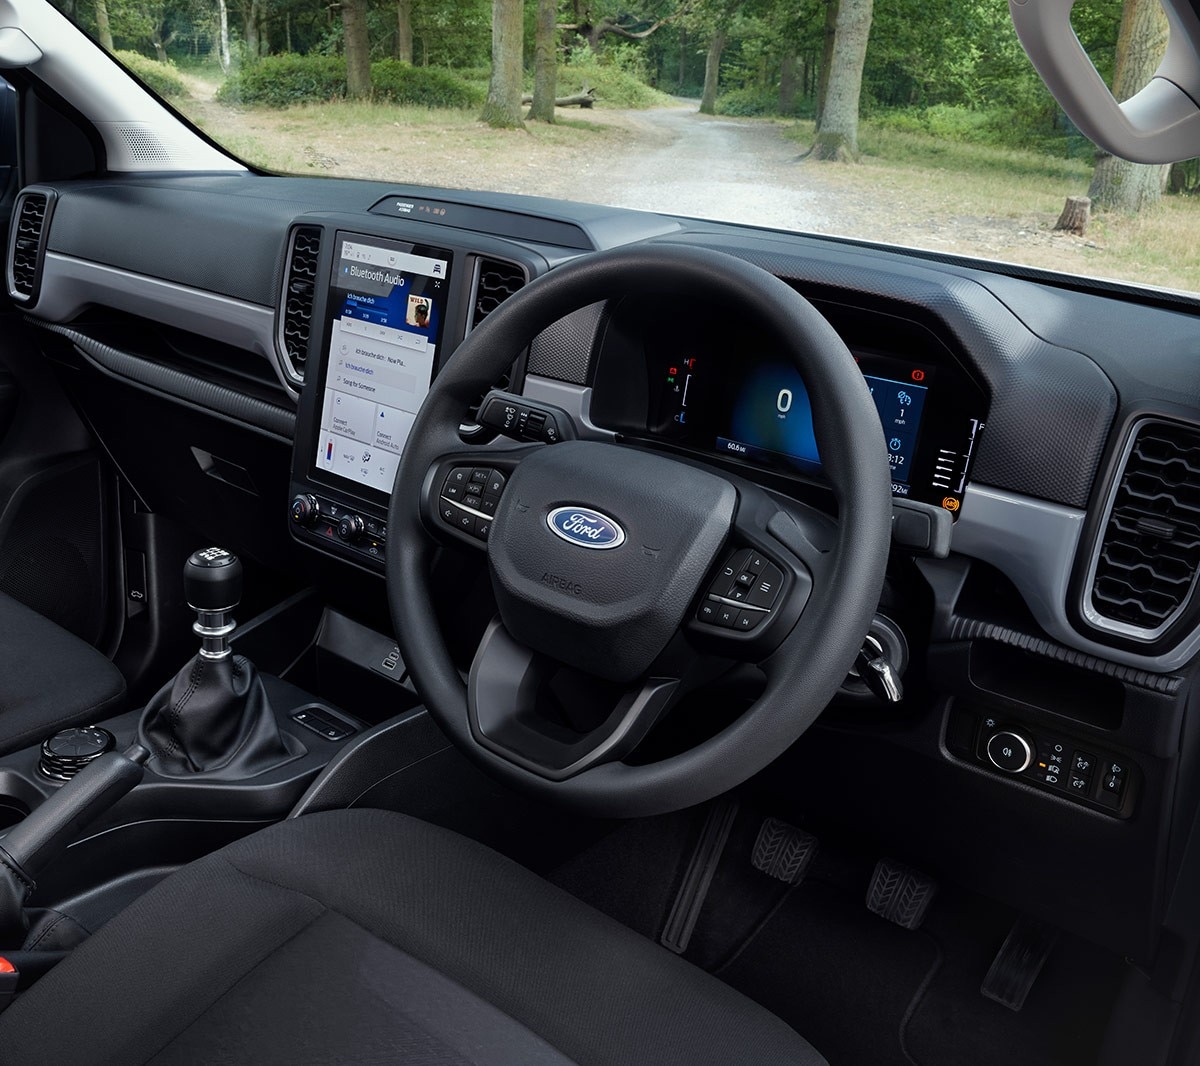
(585, 527)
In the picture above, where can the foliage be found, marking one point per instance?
(749, 102)
(163, 78)
(279, 81)
(615, 85)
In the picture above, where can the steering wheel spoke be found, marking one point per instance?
(533, 712)
(462, 492)
(763, 580)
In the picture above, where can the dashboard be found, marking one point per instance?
(266, 397)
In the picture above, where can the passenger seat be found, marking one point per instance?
(49, 678)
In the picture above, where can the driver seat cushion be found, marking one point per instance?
(49, 678)
(370, 937)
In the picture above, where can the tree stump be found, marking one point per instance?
(1076, 214)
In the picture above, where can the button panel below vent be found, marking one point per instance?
(299, 293)
(1144, 574)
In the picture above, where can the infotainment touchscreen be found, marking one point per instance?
(387, 305)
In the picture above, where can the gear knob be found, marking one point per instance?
(212, 580)
(212, 583)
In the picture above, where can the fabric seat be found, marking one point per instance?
(369, 937)
(49, 678)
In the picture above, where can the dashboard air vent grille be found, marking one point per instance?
(299, 291)
(27, 245)
(498, 280)
(1149, 556)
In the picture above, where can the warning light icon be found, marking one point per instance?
(918, 375)
(950, 503)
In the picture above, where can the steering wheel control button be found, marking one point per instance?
(748, 620)
(480, 477)
(460, 475)
(767, 583)
(727, 615)
(495, 483)
(708, 612)
(1009, 751)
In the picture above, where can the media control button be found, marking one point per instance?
(765, 590)
(726, 615)
(748, 620)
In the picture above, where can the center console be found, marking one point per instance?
(386, 306)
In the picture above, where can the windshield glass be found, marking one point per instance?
(913, 122)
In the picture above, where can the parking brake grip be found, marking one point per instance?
(28, 848)
(214, 717)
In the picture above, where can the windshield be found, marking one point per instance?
(912, 122)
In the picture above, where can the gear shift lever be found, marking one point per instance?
(215, 717)
(212, 584)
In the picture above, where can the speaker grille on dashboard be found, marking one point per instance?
(1146, 564)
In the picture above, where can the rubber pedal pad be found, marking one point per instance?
(1018, 962)
(782, 851)
(900, 894)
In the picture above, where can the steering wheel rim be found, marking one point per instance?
(804, 672)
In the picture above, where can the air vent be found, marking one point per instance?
(26, 255)
(1146, 565)
(497, 281)
(299, 291)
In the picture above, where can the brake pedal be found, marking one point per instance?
(1019, 961)
(900, 894)
(782, 851)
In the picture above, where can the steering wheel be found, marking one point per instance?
(645, 573)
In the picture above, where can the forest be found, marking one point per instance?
(951, 69)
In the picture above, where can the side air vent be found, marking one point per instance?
(296, 304)
(496, 282)
(1145, 568)
(28, 245)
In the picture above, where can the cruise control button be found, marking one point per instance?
(707, 612)
(452, 491)
(767, 583)
(474, 490)
(460, 475)
(748, 620)
(480, 475)
(495, 483)
(487, 505)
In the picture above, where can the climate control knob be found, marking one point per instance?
(305, 509)
(351, 528)
(1009, 751)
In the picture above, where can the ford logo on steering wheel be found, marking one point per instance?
(585, 527)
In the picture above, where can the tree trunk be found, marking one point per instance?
(712, 73)
(358, 48)
(223, 37)
(837, 137)
(788, 82)
(404, 34)
(827, 36)
(1076, 214)
(1117, 184)
(252, 29)
(103, 29)
(160, 50)
(502, 108)
(683, 42)
(545, 61)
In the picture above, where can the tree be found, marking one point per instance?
(1117, 184)
(545, 61)
(404, 31)
(223, 35)
(358, 48)
(502, 108)
(828, 32)
(623, 24)
(103, 29)
(712, 71)
(837, 138)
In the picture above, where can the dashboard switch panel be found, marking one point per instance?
(1057, 763)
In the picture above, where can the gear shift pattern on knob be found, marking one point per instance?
(212, 583)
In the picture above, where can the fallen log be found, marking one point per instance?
(584, 99)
